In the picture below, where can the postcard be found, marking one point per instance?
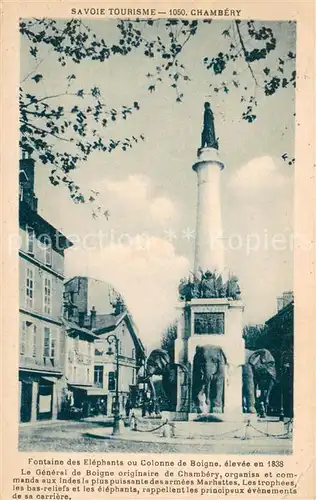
(158, 250)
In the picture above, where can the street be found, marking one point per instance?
(72, 437)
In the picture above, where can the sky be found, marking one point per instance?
(147, 244)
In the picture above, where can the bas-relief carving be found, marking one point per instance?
(209, 323)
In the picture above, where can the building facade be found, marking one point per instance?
(41, 276)
(279, 339)
(130, 358)
(86, 293)
(79, 390)
(78, 294)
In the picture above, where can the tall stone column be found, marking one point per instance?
(209, 249)
(212, 301)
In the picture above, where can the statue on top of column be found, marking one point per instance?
(208, 139)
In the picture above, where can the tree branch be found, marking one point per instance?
(33, 71)
(44, 131)
(245, 53)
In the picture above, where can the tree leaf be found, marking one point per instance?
(37, 78)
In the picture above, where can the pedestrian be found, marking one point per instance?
(262, 410)
(150, 407)
(128, 407)
(157, 408)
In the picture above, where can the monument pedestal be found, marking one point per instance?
(217, 323)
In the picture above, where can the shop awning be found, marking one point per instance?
(90, 390)
(27, 380)
(49, 379)
(96, 391)
(80, 387)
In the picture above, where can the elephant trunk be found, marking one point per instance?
(207, 390)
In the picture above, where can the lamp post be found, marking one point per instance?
(116, 424)
(281, 417)
(283, 370)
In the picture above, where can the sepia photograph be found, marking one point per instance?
(156, 235)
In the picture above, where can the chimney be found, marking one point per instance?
(119, 306)
(288, 297)
(27, 181)
(27, 165)
(280, 303)
(93, 318)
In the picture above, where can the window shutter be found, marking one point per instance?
(23, 338)
(53, 345)
(46, 342)
(34, 340)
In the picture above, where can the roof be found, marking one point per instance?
(281, 312)
(70, 325)
(109, 322)
(39, 224)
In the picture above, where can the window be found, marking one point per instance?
(75, 374)
(21, 192)
(111, 381)
(53, 345)
(29, 288)
(48, 253)
(34, 338)
(50, 343)
(88, 375)
(134, 353)
(133, 377)
(28, 339)
(23, 338)
(47, 295)
(98, 376)
(30, 239)
(46, 342)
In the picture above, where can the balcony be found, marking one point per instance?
(44, 363)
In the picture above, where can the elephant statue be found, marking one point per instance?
(258, 372)
(159, 363)
(208, 378)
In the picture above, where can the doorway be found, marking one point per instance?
(45, 401)
(26, 401)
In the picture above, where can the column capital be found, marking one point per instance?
(207, 155)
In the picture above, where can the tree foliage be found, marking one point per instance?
(65, 128)
(255, 337)
(168, 338)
